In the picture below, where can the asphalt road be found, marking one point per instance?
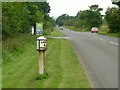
(99, 56)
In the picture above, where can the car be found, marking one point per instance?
(61, 28)
(94, 30)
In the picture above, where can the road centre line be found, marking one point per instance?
(105, 40)
(114, 43)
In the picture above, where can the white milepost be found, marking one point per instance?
(41, 48)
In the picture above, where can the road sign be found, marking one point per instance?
(39, 28)
(33, 31)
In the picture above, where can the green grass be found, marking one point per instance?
(102, 31)
(56, 33)
(105, 30)
(73, 28)
(77, 29)
(61, 64)
(108, 34)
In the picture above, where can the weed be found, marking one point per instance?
(42, 76)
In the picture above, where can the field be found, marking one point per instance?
(20, 67)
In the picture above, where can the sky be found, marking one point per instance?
(71, 7)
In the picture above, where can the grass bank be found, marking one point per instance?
(20, 68)
(103, 30)
(77, 29)
(56, 33)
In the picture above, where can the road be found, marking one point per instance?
(99, 56)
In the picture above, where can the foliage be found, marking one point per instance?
(90, 18)
(83, 19)
(113, 19)
(49, 24)
(104, 31)
(61, 19)
(18, 17)
(42, 76)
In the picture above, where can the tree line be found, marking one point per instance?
(92, 17)
(18, 17)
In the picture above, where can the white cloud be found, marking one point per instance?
(71, 7)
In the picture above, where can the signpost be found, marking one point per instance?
(41, 48)
(33, 30)
(39, 28)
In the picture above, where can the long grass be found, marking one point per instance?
(104, 30)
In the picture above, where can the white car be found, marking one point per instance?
(61, 28)
(94, 30)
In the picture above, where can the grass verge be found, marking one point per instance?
(103, 30)
(77, 29)
(56, 33)
(62, 66)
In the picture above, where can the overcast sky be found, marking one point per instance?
(71, 7)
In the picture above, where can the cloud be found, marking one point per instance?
(71, 7)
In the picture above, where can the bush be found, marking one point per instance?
(113, 19)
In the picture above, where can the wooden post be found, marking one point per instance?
(41, 62)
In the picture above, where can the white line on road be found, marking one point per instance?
(105, 40)
(69, 38)
(114, 43)
(99, 38)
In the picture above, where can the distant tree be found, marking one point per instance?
(95, 8)
(61, 19)
(113, 19)
(49, 23)
(91, 17)
(83, 19)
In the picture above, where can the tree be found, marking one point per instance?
(18, 17)
(61, 19)
(14, 16)
(113, 19)
(95, 8)
(91, 17)
(43, 7)
(83, 19)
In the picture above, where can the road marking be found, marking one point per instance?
(95, 37)
(114, 43)
(59, 37)
(68, 38)
(105, 40)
